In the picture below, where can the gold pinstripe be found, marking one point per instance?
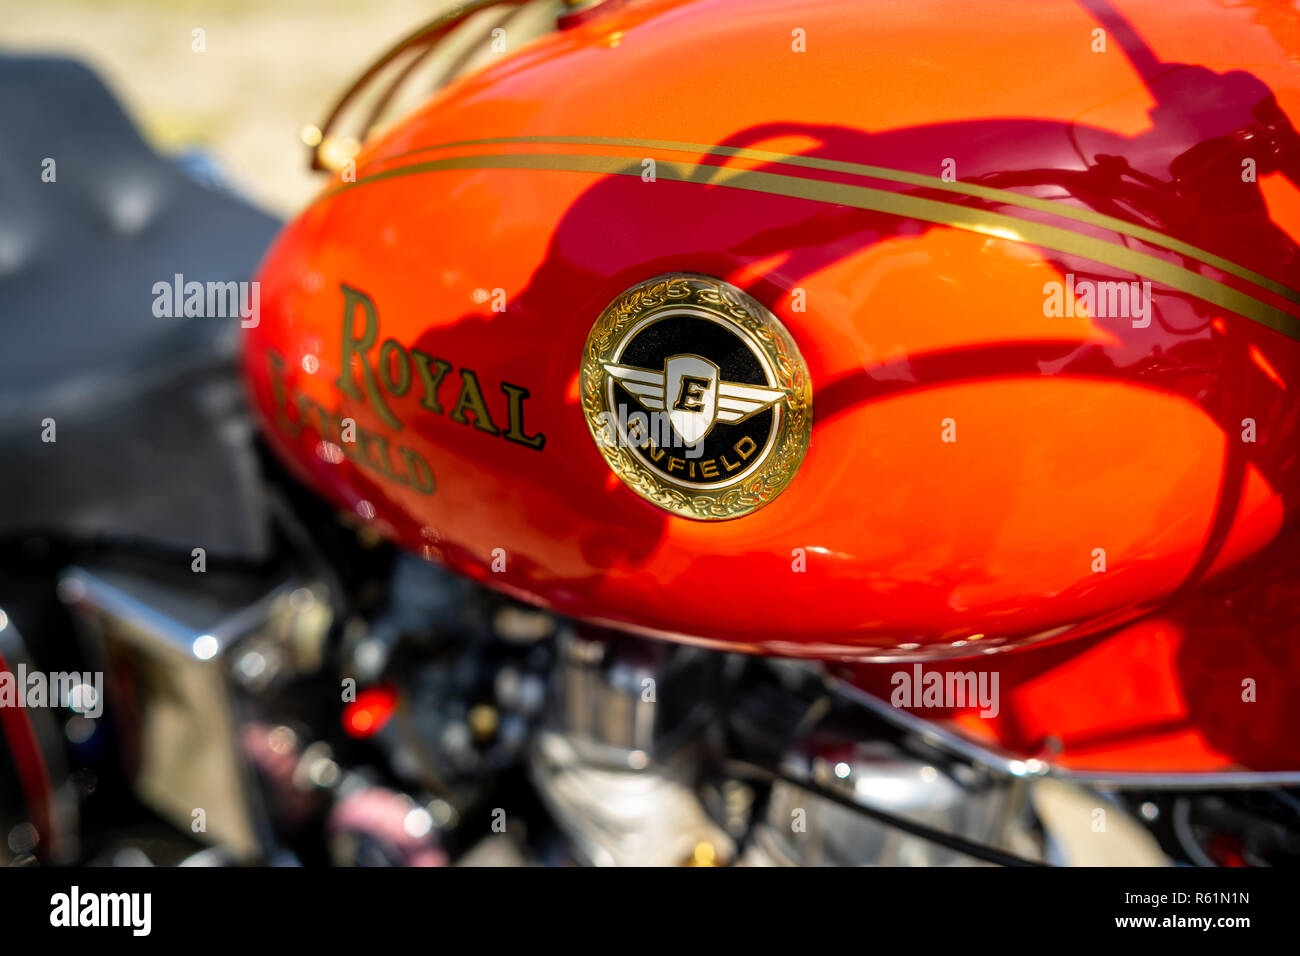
(915, 207)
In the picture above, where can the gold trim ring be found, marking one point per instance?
(746, 318)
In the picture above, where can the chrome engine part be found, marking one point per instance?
(618, 761)
(620, 816)
(804, 828)
(174, 660)
(586, 745)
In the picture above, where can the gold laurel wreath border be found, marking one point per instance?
(781, 464)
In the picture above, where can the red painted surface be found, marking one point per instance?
(1073, 434)
(33, 775)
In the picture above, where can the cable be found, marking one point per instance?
(957, 844)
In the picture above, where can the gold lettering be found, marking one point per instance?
(357, 345)
(403, 383)
(328, 424)
(421, 473)
(429, 379)
(471, 398)
(365, 442)
(515, 396)
(386, 463)
(307, 406)
(280, 394)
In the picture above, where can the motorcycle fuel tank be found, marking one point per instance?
(840, 330)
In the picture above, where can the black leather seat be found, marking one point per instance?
(152, 440)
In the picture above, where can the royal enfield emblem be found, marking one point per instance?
(696, 396)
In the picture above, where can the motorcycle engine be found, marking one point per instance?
(356, 705)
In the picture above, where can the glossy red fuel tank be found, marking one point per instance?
(920, 192)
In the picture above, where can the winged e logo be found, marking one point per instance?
(697, 396)
(701, 400)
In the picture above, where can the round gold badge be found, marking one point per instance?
(697, 396)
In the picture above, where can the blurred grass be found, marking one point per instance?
(270, 67)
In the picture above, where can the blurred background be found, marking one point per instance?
(269, 68)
